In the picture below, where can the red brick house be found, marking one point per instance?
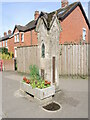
(74, 23)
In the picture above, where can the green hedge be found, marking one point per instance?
(4, 54)
(4, 50)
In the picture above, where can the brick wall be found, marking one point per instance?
(34, 38)
(8, 65)
(30, 38)
(71, 31)
(10, 44)
(72, 27)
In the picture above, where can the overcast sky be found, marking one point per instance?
(13, 13)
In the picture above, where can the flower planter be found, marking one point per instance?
(37, 92)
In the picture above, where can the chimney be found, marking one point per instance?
(9, 32)
(36, 15)
(64, 3)
(5, 34)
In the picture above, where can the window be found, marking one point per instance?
(22, 37)
(84, 34)
(15, 52)
(43, 50)
(6, 43)
(17, 37)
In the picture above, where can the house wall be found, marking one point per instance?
(1, 43)
(10, 44)
(34, 37)
(30, 38)
(72, 27)
(26, 39)
(71, 32)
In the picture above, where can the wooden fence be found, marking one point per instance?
(27, 56)
(8, 65)
(73, 60)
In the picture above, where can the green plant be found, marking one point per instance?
(36, 83)
(33, 85)
(4, 54)
(35, 79)
(11, 54)
(4, 50)
(34, 72)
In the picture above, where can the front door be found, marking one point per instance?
(53, 62)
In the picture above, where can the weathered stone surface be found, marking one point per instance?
(51, 41)
(36, 92)
(32, 55)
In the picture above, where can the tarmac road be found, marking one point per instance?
(73, 98)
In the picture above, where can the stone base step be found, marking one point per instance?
(57, 89)
(44, 101)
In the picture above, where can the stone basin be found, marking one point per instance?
(37, 92)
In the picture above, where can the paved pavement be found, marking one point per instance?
(73, 98)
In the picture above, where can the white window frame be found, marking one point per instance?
(84, 35)
(17, 37)
(22, 38)
(15, 52)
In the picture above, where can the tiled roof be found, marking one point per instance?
(27, 27)
(5, 37)
(48, 16)
(62, 13)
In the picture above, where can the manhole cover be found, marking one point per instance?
(52, 106)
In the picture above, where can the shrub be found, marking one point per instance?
(35, 79)
(34, 72)
(4, 50)
(35, 83)
(4, 54)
